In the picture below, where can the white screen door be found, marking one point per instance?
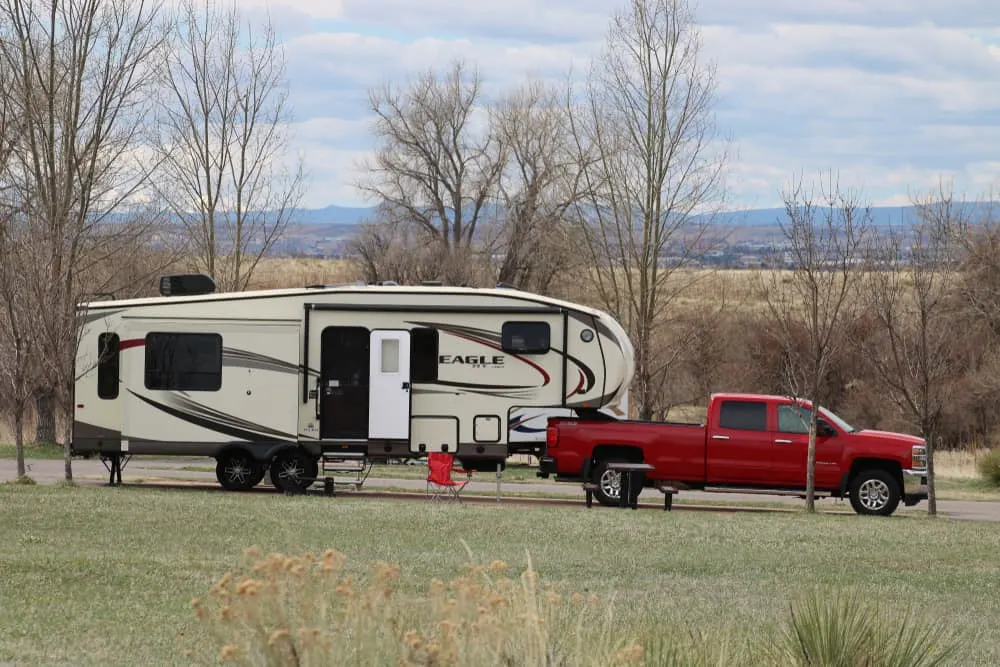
(389, 388)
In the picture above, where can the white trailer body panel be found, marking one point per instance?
(398, 370)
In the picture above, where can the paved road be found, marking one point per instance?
(93, 472)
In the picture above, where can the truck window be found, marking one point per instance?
(743, 415)
(525, 337)
(184, 361)
(793, 419)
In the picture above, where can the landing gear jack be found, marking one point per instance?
(115, 464)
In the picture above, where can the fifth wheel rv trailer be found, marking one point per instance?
(295, 383)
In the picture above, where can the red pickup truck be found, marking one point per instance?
(748, 444)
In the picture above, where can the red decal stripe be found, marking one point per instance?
(131, 342)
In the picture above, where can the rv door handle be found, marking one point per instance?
(782, 442)
(406, 385)
(720, 437)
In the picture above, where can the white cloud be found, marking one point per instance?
(894, 94)
(321, 9)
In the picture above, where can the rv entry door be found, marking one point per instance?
(389, 387)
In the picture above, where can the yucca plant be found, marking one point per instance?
(842, 629)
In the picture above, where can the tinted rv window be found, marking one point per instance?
(107, 365)
(423, 355)
(184, 361)
(525, 337)
(743, 416)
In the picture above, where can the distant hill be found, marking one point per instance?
(882, 216)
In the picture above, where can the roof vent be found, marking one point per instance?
(191, 284)
(431, 283)
(505, 286)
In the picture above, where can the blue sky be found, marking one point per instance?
(893, 94)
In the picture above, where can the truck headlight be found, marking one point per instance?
(919, 457)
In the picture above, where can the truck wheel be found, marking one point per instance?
(609, 484)
(238, 471)
(290, 471)
(874, 492)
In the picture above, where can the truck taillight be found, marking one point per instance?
(919, 457)
(551, 437)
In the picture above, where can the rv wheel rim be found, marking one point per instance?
(237, 471)
(873, 494)
(291, 470)
(611, 483)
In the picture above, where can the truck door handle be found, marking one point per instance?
(720, 437)
(782, 442)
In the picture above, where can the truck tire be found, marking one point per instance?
(875, 492)
(292, 471)
(237, 470)
(608, 483)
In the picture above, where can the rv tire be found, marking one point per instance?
(291, 469)
(237, 470)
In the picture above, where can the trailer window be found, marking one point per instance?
(424, 355)
(525, 337)
(184, 361)
(107, 366)
(743, 415)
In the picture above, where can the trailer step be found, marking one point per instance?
(764, 492)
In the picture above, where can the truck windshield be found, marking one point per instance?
(841, 424)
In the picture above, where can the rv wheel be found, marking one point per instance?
(238, 471)
(290, 471)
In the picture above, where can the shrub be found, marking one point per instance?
(989, 467)
(846, 630)
(305, 610)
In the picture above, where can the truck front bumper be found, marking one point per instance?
(914, 486)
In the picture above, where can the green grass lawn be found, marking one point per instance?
(32, 451)
(106, 576)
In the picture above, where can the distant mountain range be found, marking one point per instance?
(882, 216)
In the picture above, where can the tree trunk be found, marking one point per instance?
(67, 413)
(45, 419)
(931, 492)
(19, 440)
(811, 462)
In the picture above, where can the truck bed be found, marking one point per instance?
(669, 446)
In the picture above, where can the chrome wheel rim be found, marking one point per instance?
(611, 483)
(237, 470)
(291, 470)
(873, 494)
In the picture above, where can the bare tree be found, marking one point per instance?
(434, 168)
(911, 297)
(810, 304)
(223, 137)
(645, 135)
(79, 77)
(15, 326)
(536, 189)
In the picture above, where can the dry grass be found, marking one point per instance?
(106, 576)
(284, 272)
(959, 463)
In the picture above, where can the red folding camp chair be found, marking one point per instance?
(439, 480)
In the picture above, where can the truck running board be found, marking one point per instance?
(764, 492)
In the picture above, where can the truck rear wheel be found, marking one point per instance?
(875, 492)
(238, 471)
(609, 484)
